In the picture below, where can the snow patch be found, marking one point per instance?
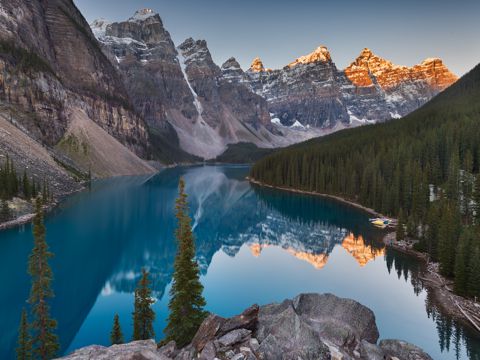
(142, 15)
(276, 121)
(297, 125)
(196, 102)
(99, 27)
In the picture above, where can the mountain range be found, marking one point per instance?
(117, 98)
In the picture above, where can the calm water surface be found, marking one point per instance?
(253, 245)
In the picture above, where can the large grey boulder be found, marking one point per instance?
(403, 350)
(135, 350)
(313, 319)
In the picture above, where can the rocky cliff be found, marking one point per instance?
(186, 99)
(312, 91)
(311, 326)
(52, 67)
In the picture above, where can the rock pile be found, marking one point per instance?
(311, 326)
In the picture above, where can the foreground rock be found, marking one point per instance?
(311, 326)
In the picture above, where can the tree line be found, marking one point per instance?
(15, 185)
(37, 338)
(423, 169)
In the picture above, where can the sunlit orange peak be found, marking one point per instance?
(257, 65)
(361, 253)
(320, 54)
(317, 260)
(256, 249)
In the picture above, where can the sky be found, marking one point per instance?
(403, 31)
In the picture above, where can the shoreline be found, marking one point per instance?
(26, 218)
(328, 196)
(463, 309)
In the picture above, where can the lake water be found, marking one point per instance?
(254, 246)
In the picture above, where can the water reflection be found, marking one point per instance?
(103, 238)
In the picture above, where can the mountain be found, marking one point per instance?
(108, 96)
(399, 155)
(53, 70)
(182, 94)
(423, 169)
(312, 91)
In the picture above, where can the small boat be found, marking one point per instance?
(381, 222)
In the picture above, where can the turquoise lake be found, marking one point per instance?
(254, 245)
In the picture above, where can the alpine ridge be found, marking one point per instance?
(187, 100)
(312, 91)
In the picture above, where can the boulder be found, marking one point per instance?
(328, 313)
(234, 337)
(310, 320)
(403, 350)
(135, 350)
(207, 331)
(246, 320)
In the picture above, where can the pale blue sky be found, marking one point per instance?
(405, 32)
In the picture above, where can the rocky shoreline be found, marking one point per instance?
(463, 309)
(310, 326)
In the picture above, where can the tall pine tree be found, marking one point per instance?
(476, 199)
(143, 315)
(186, 299)
(401, 227)
(44, 340)
(116, 335)
(462, 260)
(24, 346)
(4, 211)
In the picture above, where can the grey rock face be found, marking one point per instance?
(403, 350)
(182, 87)
(308, 93)
(314, 92)
(309, 327)
(66, 71)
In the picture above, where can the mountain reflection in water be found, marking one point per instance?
(253, 245)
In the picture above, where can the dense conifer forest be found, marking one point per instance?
(423, 169)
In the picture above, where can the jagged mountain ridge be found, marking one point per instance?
(312, 91)
(174, 103)
(181, 88)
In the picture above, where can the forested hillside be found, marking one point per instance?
(423, 168)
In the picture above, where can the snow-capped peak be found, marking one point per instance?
(142, 15)
(320, 54)
(99, 26)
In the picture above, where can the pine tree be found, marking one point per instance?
(116, 336)
(186, 300)
(44, 340)
(474, 273)
(27, 190)
(461, 263)
(476, 198)
(44, 192)
(4, 211)
(24, 349)
(447, 239)
(143, 315)
(400, 227)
